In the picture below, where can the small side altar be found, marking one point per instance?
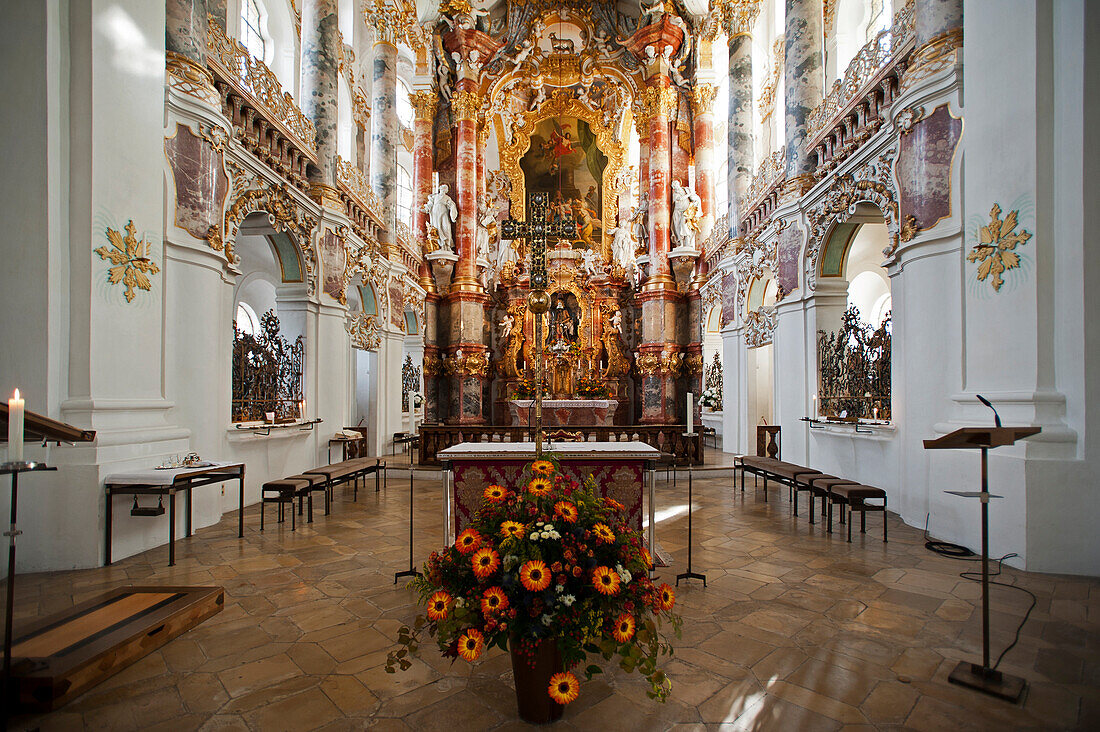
(565, 412)
(618, 468)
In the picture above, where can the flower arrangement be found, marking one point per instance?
(550, 561)
(528, 387)
(589, 387)
(711, 398)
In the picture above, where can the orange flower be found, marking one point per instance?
(470, 644)
(542, 467)
(510, 529)
(667, 597)
(605, 580)
(438, 605)
(485, 561)
(566, 510)
(613, 504)
(496, 493)
(604, 534)
(535, 575)
(624, 628)
(467, 541)
(647, 558)
(564, 687)
(493, 601)
(540, 487)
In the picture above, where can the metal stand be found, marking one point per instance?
(412, 571)
(690, 574)
(7, 692)
(980, 676)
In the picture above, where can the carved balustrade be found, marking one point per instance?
(669, 438)
(270, 125)
(362, 204)
(858, 105)
(763, 194)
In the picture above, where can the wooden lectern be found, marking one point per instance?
(982, 677)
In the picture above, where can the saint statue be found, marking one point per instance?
(442, 211)
(686, 208)
(640, 222)
(622, 246)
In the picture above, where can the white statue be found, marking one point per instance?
(685, 215)
(506, 253)
(485, 217)
(590, 263)
(622, 246)
(617, 321)
(538, 98)
(442, 211)
(639, 221)
(506, 325)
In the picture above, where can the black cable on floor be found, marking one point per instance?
(957, 551)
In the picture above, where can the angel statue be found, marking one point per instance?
(590, 263)
(639, 222)
(685, 214)
(506, 325)
(442, 211)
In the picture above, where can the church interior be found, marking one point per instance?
(365, 260)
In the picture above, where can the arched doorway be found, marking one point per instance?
(759, 354)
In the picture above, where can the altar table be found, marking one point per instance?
(565, 412)
(620, 470)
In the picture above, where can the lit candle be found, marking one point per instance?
(691, 413)
(15, 428)
(874, 412)
(815, 405)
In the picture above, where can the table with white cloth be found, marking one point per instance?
(620, 470)
(169, 482)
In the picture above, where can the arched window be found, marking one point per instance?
(404, 106)
(247, 322)
(404, 196)
(251, 34)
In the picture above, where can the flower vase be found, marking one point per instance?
(533, 682)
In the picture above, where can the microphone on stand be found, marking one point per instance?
(996, 417)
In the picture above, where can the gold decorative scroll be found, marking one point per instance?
(996, 242)
(131, 263)
(563, 104)
(766, 102)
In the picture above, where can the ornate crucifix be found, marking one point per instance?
(536, 231)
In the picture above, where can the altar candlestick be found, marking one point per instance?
(691, 413)
(15, 428)
(815, 406)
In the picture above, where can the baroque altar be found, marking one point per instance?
(565, 412)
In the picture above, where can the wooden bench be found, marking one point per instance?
(775, 470)
(283, 492)
(855, 497)
(817, 485)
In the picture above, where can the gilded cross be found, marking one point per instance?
(537, 230)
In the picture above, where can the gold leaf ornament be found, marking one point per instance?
(131, 265)
(996, 242)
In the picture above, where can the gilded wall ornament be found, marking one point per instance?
(766, 102)
(129, 257)
(760, 327)
(364, 331)
(996, 242)
(467, 364)
(191, 78)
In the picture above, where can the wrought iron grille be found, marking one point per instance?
(267, 373)
(410, 381)
(855, 369)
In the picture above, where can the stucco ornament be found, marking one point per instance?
(132, 265)
(994, 250)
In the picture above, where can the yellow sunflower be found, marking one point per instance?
(496, 493)
(468, 541)
(438, 605)
(470, 644)
(485, 561)
(493, 601)
(510, 529)
(624, 628)
(667, 597)
(540, 487)
(542, 467)
(564, 687)
(604, 534)
(605, 580)
(566, 510)
(535, 576)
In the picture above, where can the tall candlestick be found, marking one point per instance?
(691, 413)
(15, 428)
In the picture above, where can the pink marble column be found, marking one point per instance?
(465, 104)
(703, 108)
(424, 105)
(659, 100)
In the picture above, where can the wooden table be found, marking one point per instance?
(169, 482)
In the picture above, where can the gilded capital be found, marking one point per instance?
(466, 105)
(702, 98)
(736, 17)
(424, 104)
(659, 101)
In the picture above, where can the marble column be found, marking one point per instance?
(804, 84)
(703, 110)
(465, 104)
(739, 136)
(424, 104)
(482, 141)
(218, 11)
(320, 67)
(660, 101)
(935, 19)
(364, 42)
(385, 130)
(185, 28)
